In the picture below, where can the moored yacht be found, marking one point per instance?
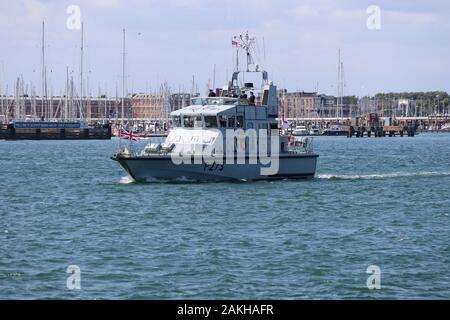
(300, 131)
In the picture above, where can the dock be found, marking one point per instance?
(55, 132)
(383, 131)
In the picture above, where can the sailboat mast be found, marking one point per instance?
(81, 72)
(123, 76)
(43, 69)
(1, 93)
(338, 103)
(214, 78)
(66, 98)
(342, 90)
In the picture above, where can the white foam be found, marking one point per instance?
(185, 179)
(182, 179)
(381, 176)
(126, 180)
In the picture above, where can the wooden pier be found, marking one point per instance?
(373, 124)
(382, 131)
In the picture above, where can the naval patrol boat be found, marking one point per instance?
(232, 135)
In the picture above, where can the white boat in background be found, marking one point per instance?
(336, 130)
(446, 127)
(314, 131)
(300, 131)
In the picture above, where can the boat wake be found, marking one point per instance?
(382, 176)
(126, 180)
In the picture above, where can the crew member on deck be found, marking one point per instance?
(211, 93)
(251, 99)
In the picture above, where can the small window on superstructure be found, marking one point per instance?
(214, 101)
(176, 120)
(210, 122)
(188, 121)
(198, 122)
(231, 122)
(223, 121)
(239, 121)
(197, 102)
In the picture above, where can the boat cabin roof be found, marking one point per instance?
(208, 106)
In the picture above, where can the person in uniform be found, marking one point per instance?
(251, 99)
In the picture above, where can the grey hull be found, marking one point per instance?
(291, 166)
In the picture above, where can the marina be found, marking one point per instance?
(148, 113)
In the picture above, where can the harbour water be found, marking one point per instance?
(382, 202)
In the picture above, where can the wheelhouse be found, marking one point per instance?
(223, 117)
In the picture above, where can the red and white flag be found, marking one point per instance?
(130, 135)
(235, 44)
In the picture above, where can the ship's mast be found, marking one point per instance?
(247, 43)
(235, 62)
(237, 59)
(123, 77)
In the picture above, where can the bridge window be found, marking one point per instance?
(263, 126)
(210, 122)
(240, 122)
(176, 121)
(198, 102)
(231, 122)
(223, 121)
(193, 122)
(214, 101)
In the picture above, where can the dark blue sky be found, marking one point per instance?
(175, 39)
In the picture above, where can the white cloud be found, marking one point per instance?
(189, 4)
(351, 15)
(409, 17)
(178, 38)
(106, 3)
(305, 11)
